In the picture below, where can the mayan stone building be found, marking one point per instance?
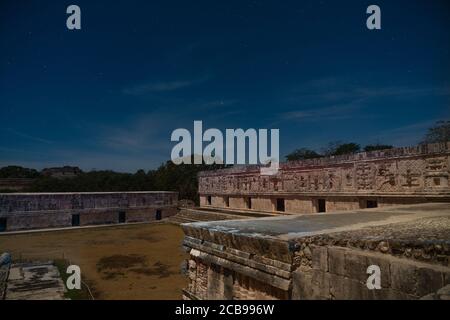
(21, 211)
(322, 256)
(365, 180)
(395, 216)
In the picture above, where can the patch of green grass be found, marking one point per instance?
(74, 294)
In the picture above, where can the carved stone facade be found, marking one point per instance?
(395, 176)
(21, 211)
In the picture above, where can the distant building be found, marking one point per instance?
(62, 172)
(24, 211)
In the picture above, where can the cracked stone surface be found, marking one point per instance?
(34, 281)
(419, 232)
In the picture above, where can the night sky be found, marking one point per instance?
(109, 95)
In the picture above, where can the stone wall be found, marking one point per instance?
(390, 177)
(51, 210)
(341, 273)
(321, 256)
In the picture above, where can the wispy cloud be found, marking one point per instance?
(332, 98)
(331, 90)
(27, 136)
(222, 103)
(141, 133)
(406, 135)
(334, 111)
(161, 86)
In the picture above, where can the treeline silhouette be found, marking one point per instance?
(439, 132)
(168, 177)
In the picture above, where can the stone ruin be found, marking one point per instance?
(24, 211)
(390, 209)
(364, 180)
(322, 256)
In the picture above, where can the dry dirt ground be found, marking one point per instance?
(119, 262)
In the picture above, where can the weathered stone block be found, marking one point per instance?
(321, 284)
(356, 265)
(428, 281)
(214, 283)
(319, 258)
(228, 285)
(336, 260)
(337, 286)
(355, 290)
(446, 278)
(403, 277)
(342, 288)
(388, 294)
(302, 285)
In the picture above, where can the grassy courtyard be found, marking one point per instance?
(118, 262)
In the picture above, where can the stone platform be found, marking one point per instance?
(322, 256)
(208, 214)
(34, 281)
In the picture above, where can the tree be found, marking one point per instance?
(338, 148)
(347, 148)
(15, 172)
(302, 154)
(374, 147)
(440, 132)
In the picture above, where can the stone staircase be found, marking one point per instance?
(210, 214)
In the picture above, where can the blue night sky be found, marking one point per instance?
(108, 96)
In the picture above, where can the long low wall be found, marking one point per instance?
(321, 256)
(365, 180)
(313, 203)
(22, 211)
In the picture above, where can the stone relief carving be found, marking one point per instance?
(411, 174)
(386, 177)
(365, 177)
(437, 173)
(398, 175)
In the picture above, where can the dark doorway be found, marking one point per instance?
(208, 200)
(280, 205)
(158, 215)
(227, 201)
(75, 220)
(248, 203)
(371, 204)
(2, 224)
(122, 217)
(321, 205)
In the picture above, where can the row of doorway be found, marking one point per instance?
(121, 218)
(320, 205)
(2, 224)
